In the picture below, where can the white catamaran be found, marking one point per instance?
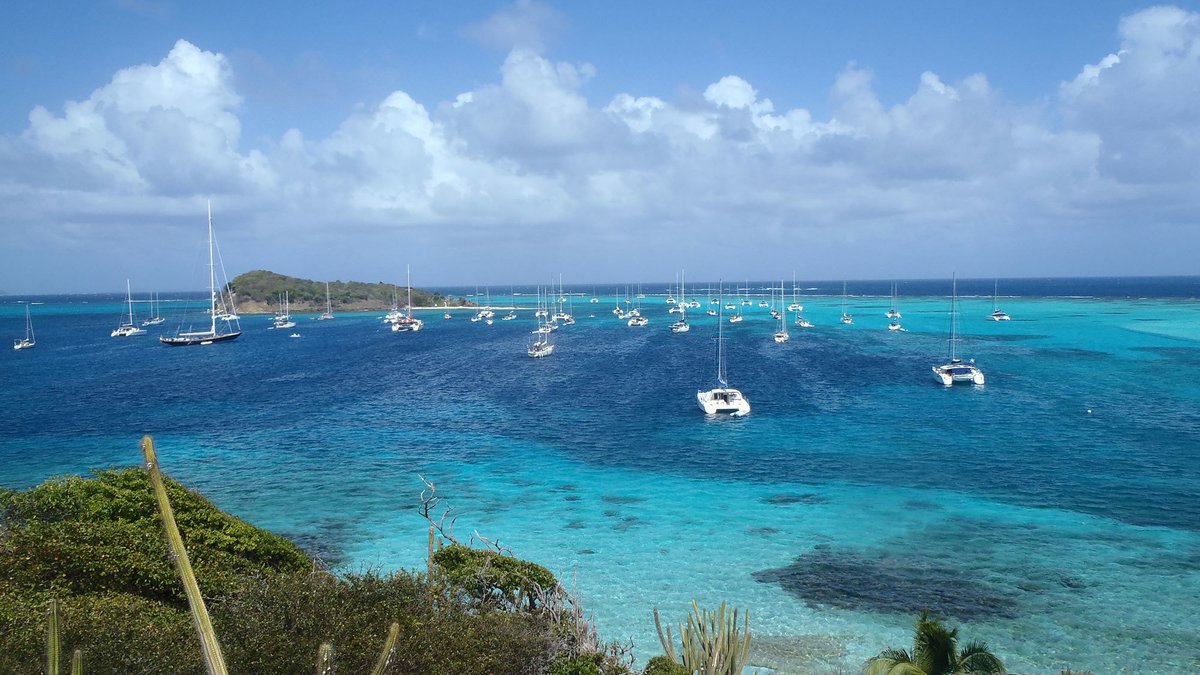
(722, 398)
(956, 371)
(328, 308)
(407, 323)
(230, 329)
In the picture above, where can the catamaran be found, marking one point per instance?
(128, 328)
(28, 341)
(956, 371)
(893, 313)
(722, 398)
(228, 332)
(997, 313)
(846, 318)
(407, 323)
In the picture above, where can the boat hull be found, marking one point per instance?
(953, 374)
(195, 340)
(723, 401)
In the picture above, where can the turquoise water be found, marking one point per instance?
(1053, 513)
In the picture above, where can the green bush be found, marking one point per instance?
(486, 574)
(662, 665)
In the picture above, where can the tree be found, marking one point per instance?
(935, 652)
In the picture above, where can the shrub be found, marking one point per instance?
(662, 665)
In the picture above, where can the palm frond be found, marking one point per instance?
(892, 661)
(977, 658)
(935, 647)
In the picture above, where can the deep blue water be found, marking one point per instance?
(1049, 512)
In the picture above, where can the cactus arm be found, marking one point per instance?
(213, 660)
(389, 646)
(53, 647)
(77, 662)
(325, 659)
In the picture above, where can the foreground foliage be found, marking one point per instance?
(93, 549)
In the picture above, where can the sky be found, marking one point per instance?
(493, 143)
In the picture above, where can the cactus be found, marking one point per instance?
(325, 659)
(711, 643)
(389, 646)
(77, 662)
(213, 660)
(53, 648)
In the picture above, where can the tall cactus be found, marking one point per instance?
(213, 660)
(711, 642)
(325, 659)
(77, 662)
(53, 646)
(389, 646)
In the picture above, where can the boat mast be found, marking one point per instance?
(212, 276)
(721, 340)
(953, 318)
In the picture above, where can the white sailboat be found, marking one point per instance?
(328, 307)
(795, 306)
(893, 313)
(128, 328)
(157, 318)
(284, 318)
(997, 313)
(781, 335)
(681, 326)
(206, 337)
(846, 318)
(956, 370)
(407, 323)
(29, 340)
(541, 346)
(722, 399)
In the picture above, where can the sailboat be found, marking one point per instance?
(997, 313)
(284, 318)
(541, 346)
(408, 323)
(681, 326)
(846, 318)
(781, 335)
(722, 398)
(737, 318)
(328, 307)
(211, 335)
(956, 371)
(28, 341)
(128, 328)
(157, 318)
(893, 313)
(795, 306)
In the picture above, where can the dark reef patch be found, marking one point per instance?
(889, 583)
(790, 499)
(620, 499)
(763, 531)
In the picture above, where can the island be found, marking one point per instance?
(260, 291)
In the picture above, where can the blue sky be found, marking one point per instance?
(497, 143)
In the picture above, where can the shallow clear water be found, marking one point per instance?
(1054, 513)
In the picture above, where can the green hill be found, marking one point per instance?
(260, 291)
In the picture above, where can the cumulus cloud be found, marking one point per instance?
(169, 129)
(1143, 102)
(528, 157)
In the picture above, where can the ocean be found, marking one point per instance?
(1053, 513)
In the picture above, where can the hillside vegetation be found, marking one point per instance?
(260, 291)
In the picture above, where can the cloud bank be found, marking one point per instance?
(955, 177)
